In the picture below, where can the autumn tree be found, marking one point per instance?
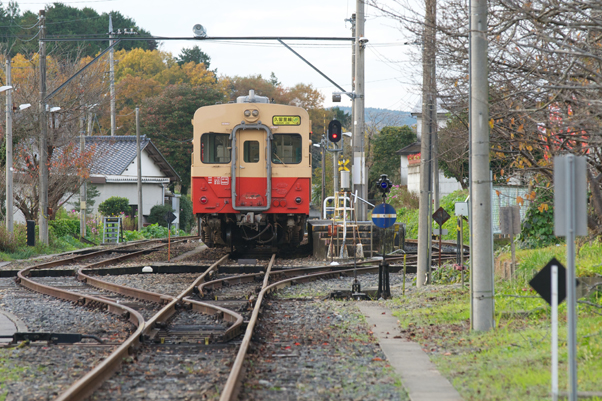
(141, 74)
(544, 74)
(65, 164)
(166, 121)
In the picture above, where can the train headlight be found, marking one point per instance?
(203, 200)
(255, 113)
(298, 200)
(276, 203)
(247, 113)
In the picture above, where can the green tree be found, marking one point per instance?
(114, 206)
(92, 193)
(166, 120)
(384, 158)
(157, 214)
(186, 216)
(65, 21)
(195, 55)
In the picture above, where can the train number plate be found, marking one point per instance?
(286, 120)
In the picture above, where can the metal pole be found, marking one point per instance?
(462, 248)
(335, 159)
(82, 186)
(359, 156)
(554, 333)
(112, 78)
(43, 146)
(139, 168)
(9, 150)
(570, 279)
(481, 244)
(323, 145)
(426, 156)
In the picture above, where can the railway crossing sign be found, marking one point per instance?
(343, 165)
(441, 216)
(169, 217)
(541, 282)
(384, 215)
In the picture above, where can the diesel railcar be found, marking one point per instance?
(251, 172)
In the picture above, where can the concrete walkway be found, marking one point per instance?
(419, 376)
(9, 324)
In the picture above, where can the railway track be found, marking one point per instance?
(198, 321)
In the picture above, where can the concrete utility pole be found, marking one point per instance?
(139, 168)
(112, 78)
(482, 250)
(9, 149)
(359, 156)
(82, 187)
(43, 146)
(429, 128)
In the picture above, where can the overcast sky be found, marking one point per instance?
(392, 78)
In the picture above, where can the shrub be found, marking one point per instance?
(132, 235)
(64, 227)
(114, 206)
(400, 197)
(186, 216)
(538, 226)
(12, 242)
(157, 215)
(157, 231)
(129, 223)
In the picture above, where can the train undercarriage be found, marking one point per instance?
(247, 230)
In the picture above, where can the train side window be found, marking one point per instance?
(286, 149)
(251, 152)
(215, 148)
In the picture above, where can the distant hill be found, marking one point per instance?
(384, 117)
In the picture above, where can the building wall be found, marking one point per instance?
(414, 178)
(149, 168)
(446, 185)
(152, 194)
(404, 170)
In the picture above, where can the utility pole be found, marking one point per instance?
(429, 104)
(359, 156)
(9, 149)
(482, 251)
(82, 187)
(43, 160)
(139, 168)
(112, 78)
(323, 143)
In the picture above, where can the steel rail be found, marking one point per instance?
(84, 387)
(232, 384)
(71, 259)
(227, 315)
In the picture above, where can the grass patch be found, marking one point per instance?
(511, 362)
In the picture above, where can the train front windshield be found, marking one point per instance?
(215, 148)
(286, 149)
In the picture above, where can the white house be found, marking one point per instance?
(114, 171)
(410, 169)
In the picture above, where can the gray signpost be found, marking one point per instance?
(570, 220)
(510, 225)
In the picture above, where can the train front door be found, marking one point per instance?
(251, 171)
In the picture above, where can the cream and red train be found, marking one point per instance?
(251, 172)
